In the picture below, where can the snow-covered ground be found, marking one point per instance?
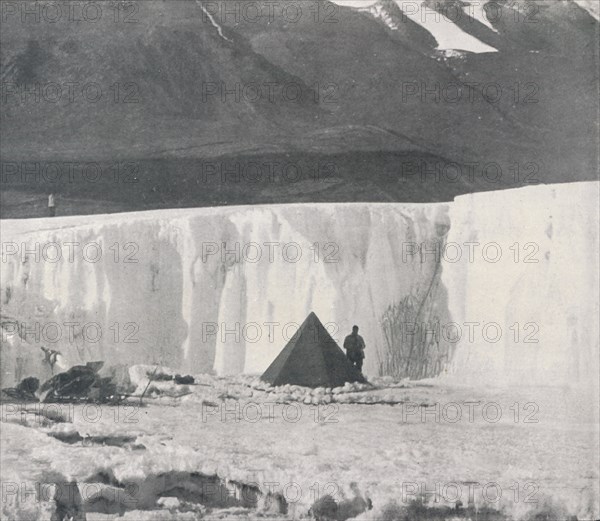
(538, 448)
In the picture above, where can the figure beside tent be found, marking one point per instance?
(355, 348)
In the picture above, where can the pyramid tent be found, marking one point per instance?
(312, 359)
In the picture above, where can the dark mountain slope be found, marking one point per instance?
(369, 93)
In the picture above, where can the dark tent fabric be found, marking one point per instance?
(312, 359)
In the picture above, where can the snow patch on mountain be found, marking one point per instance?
(213, 21)
(591, 6)
(447, 34)
(440, 25)
(380, 11)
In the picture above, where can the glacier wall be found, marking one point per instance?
(538, 281)
(203, 289)
(224, 288)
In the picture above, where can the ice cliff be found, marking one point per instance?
(542, 288)
(224, 288)
(209, 288)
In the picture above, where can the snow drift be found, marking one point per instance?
(225, 288)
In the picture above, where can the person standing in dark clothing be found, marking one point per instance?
(355, 348)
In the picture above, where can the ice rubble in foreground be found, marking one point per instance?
(234, 448)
